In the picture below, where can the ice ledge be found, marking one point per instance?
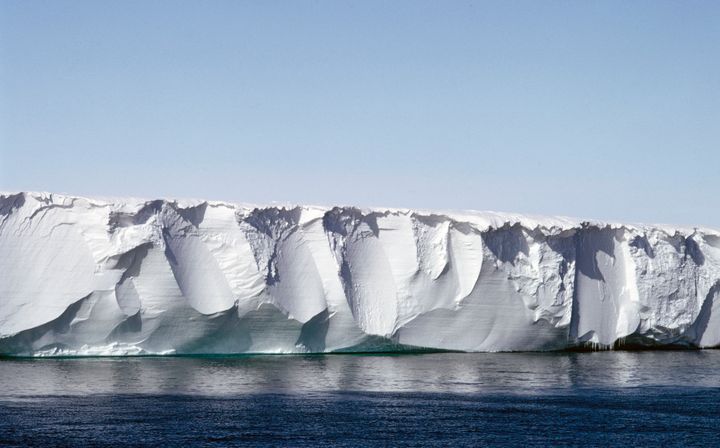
(484, 218)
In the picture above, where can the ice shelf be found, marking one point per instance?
(84, 276)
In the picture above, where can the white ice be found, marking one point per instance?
(121, 277)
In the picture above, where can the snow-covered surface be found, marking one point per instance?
(130, 276)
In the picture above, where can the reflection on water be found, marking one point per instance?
(521, 373)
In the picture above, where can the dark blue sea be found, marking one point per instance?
(623, 398)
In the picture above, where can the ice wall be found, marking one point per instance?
(89, 276)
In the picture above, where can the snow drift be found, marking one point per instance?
(116, 277)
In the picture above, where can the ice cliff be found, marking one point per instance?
(85, 276)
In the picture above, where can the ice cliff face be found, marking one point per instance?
(86, 276)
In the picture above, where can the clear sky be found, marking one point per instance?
(597, 109)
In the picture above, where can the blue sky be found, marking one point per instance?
(594, 109)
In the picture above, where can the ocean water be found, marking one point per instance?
(645, 398)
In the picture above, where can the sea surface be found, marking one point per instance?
(614, 398)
